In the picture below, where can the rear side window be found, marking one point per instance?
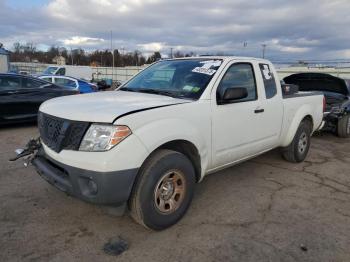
(31, 83)
(66, 83)
(9, 83)
(269, 80)
(239, 75)
(48, 79)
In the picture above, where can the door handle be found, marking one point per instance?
(259, 111)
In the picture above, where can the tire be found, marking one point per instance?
(163, 190)
(343, 128)
(297, 151)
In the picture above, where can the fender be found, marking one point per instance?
(172, 129)
(301, 113)
(185, 121)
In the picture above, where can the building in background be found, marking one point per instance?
(4, 60)
(59, 60)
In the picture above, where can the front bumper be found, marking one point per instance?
(107, 188)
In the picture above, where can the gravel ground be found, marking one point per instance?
(262, 210)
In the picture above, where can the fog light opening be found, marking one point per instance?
(92, 186)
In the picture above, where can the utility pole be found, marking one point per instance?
(112, 50)
(71, 54)
(263, 50)
(171, 52)
(122, 56)
(245, 44)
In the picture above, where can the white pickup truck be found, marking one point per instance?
(148, 143)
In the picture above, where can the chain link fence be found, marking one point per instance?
(122, 74)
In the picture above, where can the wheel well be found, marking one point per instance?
(309, 118)
(189, 150)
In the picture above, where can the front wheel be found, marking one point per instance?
(297, 151)
(163, 190)
(343, 128)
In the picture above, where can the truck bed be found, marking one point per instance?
(301, 94)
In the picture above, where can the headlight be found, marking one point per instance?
(103, 137)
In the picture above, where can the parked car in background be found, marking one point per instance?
(337, 93)
(71, 83)
(21, 97)
(148, 143)
(80, 72)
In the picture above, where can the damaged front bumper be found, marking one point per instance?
(105, 188)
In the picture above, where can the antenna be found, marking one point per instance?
(112, 55)
(263, 50)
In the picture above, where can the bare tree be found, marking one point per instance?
(29, 52)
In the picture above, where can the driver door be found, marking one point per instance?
(235, 125)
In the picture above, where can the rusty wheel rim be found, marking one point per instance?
(170, 191)
(302, 144)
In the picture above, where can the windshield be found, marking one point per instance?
(176, 78)
(50, 70)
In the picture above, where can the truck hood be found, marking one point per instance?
(319, 82)
(105, 107)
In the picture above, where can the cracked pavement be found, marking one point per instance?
(265, 209)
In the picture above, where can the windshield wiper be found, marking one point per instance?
(127, 89)
(156, 92)
(149, 91)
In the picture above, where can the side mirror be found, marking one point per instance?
(232, 94)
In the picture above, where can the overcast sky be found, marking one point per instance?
(299, 29)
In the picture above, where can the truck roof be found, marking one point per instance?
(223, 58)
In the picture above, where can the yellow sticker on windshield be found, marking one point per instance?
(195, 89)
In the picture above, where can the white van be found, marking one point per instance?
(80, 72)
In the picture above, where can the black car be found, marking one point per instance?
(337, 93)
(21, 97)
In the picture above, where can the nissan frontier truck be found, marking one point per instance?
(148, 143)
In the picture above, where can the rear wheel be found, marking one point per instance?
(163, 191)
(343, 128)
(297, 151)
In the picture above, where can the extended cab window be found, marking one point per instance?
(239, 76)
(269, 81)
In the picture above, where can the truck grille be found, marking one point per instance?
(58, 133)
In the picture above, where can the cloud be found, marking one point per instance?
(313, 29)
(155, 46)
(294, 49)
(300, 45)
(82, 41)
